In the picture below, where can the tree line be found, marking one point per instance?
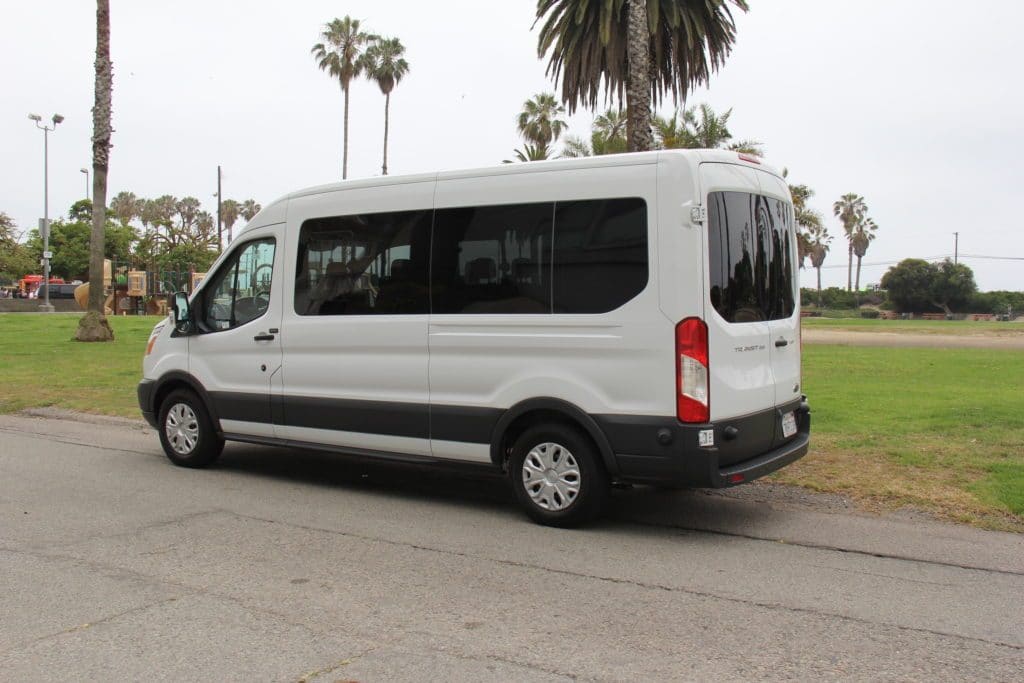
(165, 233)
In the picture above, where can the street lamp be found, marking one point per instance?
(86, 172)
(57, 118)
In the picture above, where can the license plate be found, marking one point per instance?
(788, 424)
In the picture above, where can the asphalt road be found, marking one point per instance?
(287, 566)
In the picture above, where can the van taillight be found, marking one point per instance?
(693, 402)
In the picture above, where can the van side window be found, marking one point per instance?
(240, 291)
(750, 242)
(368, 264)
(492, 259)
(600, 254)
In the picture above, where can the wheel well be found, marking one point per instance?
(165, 390)
(175, 383)
(539, 416)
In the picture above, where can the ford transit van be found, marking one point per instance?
(629, 318)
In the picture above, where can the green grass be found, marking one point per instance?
(954, 327)
(41, 365)
(936, 429)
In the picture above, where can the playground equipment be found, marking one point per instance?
(138, 292)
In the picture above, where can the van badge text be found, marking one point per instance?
(752, 347)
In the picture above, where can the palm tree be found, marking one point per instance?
(94, 326)
(850, 208)
(807, 219)
(540, 122)
(863, 236)
(645, 49)
(229, 212)
(531, 153)
(126, 206)
(249, 209)
(607, 136)
(709, 131)
(670, 133)
(338, 55)
(383, 63)
(818, 240)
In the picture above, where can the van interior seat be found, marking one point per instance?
(481, 271)
(400, 270)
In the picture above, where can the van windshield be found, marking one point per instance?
(751, 254)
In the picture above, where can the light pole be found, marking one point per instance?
(57, 118)
(88, 194)
(220, 214)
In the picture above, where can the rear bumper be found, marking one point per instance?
(661, 450)
(145, 391)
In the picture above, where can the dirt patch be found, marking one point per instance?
(948, 341)
(54, 413)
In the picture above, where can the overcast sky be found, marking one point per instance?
(915, 105)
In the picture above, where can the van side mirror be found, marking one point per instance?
(182, 313)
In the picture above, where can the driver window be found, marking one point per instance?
(240, 291)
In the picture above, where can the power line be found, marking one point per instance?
(996, 258)
(942, 257)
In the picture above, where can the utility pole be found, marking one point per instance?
(956, 248)
(220, 217)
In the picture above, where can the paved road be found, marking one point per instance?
(291, 566)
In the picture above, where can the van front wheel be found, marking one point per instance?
(186, 432)
(558, 476)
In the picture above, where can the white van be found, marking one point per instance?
(630, 318)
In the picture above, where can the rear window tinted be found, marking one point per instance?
(750, 240)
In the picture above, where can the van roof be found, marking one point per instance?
(276, 207)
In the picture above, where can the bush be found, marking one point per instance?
(831, 297)
(996, 302)
(869, 313)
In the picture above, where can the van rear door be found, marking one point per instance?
(739, 335)
(783, 289)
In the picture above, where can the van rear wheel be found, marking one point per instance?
(558, 476)
(186, 431)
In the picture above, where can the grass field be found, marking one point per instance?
(937, 429)
(40, 365)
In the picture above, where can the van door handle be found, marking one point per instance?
(263, 337)
(779, 343)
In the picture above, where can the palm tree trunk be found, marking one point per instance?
(858, 274)
(849, 270)
(94, 326)
(638, 88)
(344, 154)
(387, 107)
(818, 268)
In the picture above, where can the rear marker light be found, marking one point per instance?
(735, 478)
(693, 400)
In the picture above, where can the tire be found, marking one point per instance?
(192, 441)
(558, 476)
